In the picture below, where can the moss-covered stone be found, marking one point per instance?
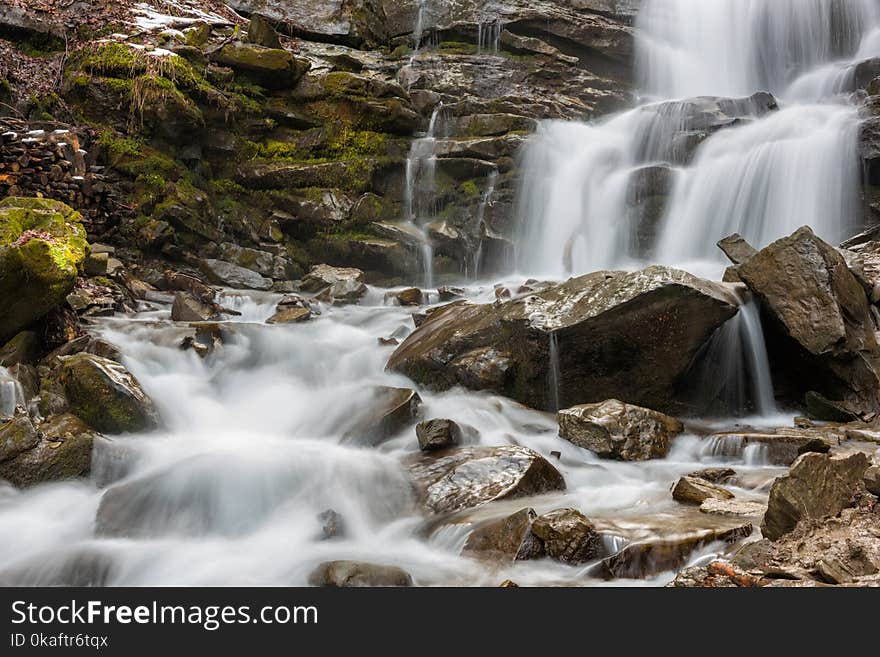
(105, 395)
(64, 452)
(42, 249)
(272, 68)
(16, 436)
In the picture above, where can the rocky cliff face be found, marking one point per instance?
(293, 126)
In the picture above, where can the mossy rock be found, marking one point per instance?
(105, 395)
(271, 68)
(42, 249)
(63, 452)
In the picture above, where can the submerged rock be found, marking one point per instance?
(390, 410)
(691, 490)
(332, 524)
(628, 336)
(817, 486)
(345, 574)
(568, 536)
(465, 477)
(106, 395)
(42, 249)
(613, 429)
(507, 539)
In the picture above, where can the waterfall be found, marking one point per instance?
(11, 393)
(418, 196)
(489, 36)
(732, 372)
(480, 228)
(761, 172)
(554, 370)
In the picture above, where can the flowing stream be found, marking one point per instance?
(255, 446)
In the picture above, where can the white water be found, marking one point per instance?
(252, 450)
(11, 393)
(763, 178)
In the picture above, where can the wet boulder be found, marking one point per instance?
(273, 68)
(63, 450)
(820, 313)
(714, 475)
(24, 347)
(390, 410)
(628, 336)
(507, 539)
(335, 284)
(106, 395)
(691, 490)
(466, 477)
(736, 248)
(728, 507)
(187, 308)
(872, 480)
(221, 272)
(717, 574)
(567, 535)
(620, 431)
(650, 557)
(438, 434)
(817, 486)
(42, 249)
(290, 315)
(16, 436)
(779, 446)
(346, 574)
(411, 296)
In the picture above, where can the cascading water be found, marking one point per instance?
(11, 393)
(776, 171)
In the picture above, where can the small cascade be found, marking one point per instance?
(554, 371)
(732, 374)
(419, 203)
(489, 36)
(480, 228)
(11, 393)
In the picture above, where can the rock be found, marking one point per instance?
(465, 477)
(646, 558)
(872, 480)
(290, 315)
(261, 262)
(220, 272)
(727, 507)
(621, 431)
(619, 336)
(23, 348)
(823, 409)
(63, 452)
(106, 395)
(409, 297)
(691, 490)
(779, 448)
(448, 293)
(568, 536)
(96, 264)
(273, 68)
(437, 434)
(814, 301)
(345, 574)
(42, 249)
(332, 524)
(261, 32)
(714, 475)
(717, 574)
(187, 308)
(16, 436)
(179, 281)
(335, 283)
(737, 249)
(817, 486)
(390, 411)
(507, 539)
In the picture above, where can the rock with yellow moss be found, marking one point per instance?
(42, 249)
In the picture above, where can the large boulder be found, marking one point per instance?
(466, 477)
(388, 411)
(817, 486)
(822, 313)
(59, 448)
(628, 336)
(42, 249)
(621, 431)
(188, 308)
(345, 574)
(106, 395)
(568, 536)
(692, 490)
(335, 284)
(221, 272)
(507, 539)
(273, 68)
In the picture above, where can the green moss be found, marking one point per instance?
(400, 52)
(226, 186)
(457, 48)
(118, 146)
(469, 189)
